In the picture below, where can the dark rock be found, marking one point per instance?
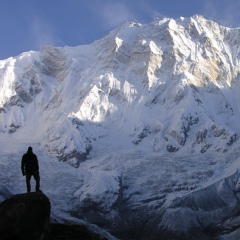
(171, 148)
(72, 232)
(232, 139)
(25, 217)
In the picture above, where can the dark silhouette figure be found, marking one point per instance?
(30, 168)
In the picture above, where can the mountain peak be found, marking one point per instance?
(168, 66)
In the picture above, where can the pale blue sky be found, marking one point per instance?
(30, 24)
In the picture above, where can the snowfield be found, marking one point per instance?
(137, 134)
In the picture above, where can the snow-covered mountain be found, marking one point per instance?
(132, 132)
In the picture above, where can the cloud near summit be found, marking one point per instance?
(113, 14)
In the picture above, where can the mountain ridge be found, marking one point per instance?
(141, 117)
(177, 60)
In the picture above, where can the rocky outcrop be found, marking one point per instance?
(25, 216)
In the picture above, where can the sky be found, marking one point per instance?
(28, 25)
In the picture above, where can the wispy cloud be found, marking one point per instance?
(42, 34)
(226, 13)
(147, 10)
(112, 13)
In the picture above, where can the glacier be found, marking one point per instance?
(137, 134)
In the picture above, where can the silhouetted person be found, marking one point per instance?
(30, 168)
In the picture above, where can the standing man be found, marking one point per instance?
(30, 168)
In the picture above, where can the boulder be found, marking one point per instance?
(25, 217)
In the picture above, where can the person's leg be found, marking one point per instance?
(37, 179)
(28, 179)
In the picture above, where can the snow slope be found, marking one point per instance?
(129, 128)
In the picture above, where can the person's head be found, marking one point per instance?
(29, 149)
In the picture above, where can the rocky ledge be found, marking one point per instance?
(27, 217)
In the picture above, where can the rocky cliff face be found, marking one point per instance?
(149, 113)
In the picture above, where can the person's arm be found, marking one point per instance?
(23, 166)
(36, 162)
